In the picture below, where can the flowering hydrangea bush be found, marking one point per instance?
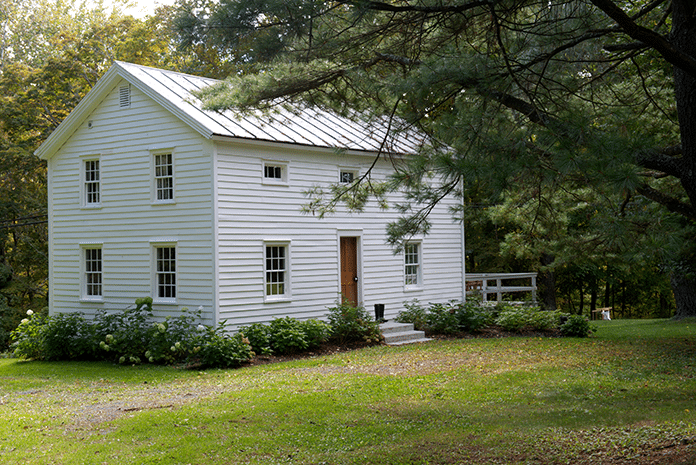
(130, 337)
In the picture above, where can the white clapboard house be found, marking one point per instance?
(149, 195)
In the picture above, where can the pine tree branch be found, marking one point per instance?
(663, 161)
(647, 36)
(382, 6)
(672, 204)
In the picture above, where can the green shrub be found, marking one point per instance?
(259, 336)
(129, 336)
(214, 348)
(287, 336)
(415, 314)
(350, 324)
(577, 326)
(472, 316)
(523, 317)
(67, 336)
(27, 338)
(442, 319)
(316, 332)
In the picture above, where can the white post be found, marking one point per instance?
(463, 247)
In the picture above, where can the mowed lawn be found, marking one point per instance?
(627, 395)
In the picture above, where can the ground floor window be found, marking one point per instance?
(165, 272)
(92, 273)
(276, 271)
(412, 264)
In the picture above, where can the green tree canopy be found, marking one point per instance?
(585, 93)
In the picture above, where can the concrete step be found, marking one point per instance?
(401, 333)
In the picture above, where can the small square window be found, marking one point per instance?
(275, 173)
(347, 177)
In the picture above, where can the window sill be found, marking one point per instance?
(91, 207)
(274, 300)
(91, 300)
(413, 288)
(275, 182)
(164, 302)
(163, 202)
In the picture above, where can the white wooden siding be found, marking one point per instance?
(127, 222)
(250, 212)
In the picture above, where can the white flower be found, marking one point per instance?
(200, 308)
(25, 321)
(201, 328)
(30, 312)
(161, 328)
(172, 348)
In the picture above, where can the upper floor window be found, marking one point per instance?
(92, 180)
(275, 173)
(347, 176)
(164, 177)
(412, 264)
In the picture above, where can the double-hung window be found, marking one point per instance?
(277, 271)
(92, 277)
(412, 265)
(165, 272)
(164, 177)
(92, 183)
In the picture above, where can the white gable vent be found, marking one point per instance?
(124, 96)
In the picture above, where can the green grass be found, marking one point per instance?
(624, 396)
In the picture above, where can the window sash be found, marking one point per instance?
(93, 272)
(164, 177)
(92, 180)
(276, 270)
(165, 272)
(273, 172)
(412, 264)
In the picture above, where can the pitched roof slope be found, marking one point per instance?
(173, 91)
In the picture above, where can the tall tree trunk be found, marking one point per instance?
(684, 289)
(683, 37)
(547, 283)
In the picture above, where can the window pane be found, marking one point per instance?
(92, 182)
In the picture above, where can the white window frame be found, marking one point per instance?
(156, 177)
(355, 172)
(87, 273)
(157, 272)
(413, 281)
(282, 165)
(268, 272)
(86, 180)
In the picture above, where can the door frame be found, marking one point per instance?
(357, 234)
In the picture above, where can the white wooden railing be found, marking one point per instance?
(482, 283)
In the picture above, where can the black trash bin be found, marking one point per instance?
(379, 313)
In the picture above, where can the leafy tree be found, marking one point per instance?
(574, 94)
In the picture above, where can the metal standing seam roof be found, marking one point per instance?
(308, 126)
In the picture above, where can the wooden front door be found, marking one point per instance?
(349, 269)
